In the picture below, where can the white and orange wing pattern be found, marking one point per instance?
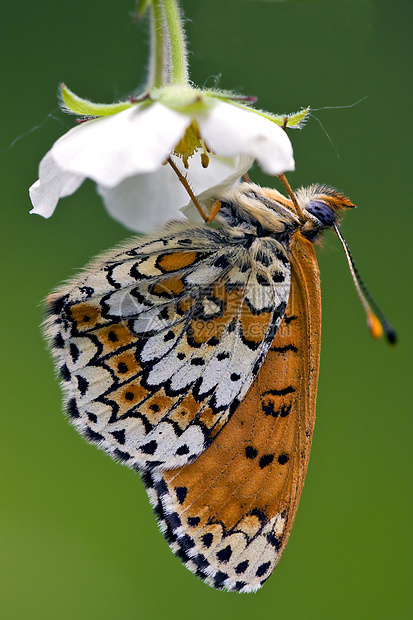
(171, 361)
(156, 344)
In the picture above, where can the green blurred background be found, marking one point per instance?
(78, 536)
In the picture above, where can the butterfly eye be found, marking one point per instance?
(323, 212)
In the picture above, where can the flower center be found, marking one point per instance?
(190, 143)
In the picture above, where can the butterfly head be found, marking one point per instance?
(263, 211)
(322, 207)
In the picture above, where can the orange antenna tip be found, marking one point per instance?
(375, 327)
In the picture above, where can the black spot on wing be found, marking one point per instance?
(283, 392)
(150, 447)
(239, 585)
(274, 541)
(173, 520)
(250, 452)
(278, 276)
(285, 349)
(82, 385)
(122, 368)
(58, 341)
(261, 570)
(219, 579)
(65, 374)
(186, 542)
(241, 567)
(207, 540)
(224, 554)
(265, 460)
(283, 458)
(181, 493)
(119, 436)
(182, 450)
(122, 456)
(72, 409)
(57, 305)
(92, 435)
(283, 411)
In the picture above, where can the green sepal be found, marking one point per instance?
(184, 99)
(295, 120)
(76, 105)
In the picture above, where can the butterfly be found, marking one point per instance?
(192, 357)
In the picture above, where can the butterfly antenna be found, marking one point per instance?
(291, 194)
(188, 188)
(376, 320)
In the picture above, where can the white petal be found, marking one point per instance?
(144, 202)
(109, 150)
(53, 183)
(229, 130)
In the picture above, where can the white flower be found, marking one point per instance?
(125, 155)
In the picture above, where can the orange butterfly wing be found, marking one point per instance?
(229, 514)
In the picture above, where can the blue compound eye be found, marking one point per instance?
(322, 212)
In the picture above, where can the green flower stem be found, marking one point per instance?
(159, 48)
(178, 64)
